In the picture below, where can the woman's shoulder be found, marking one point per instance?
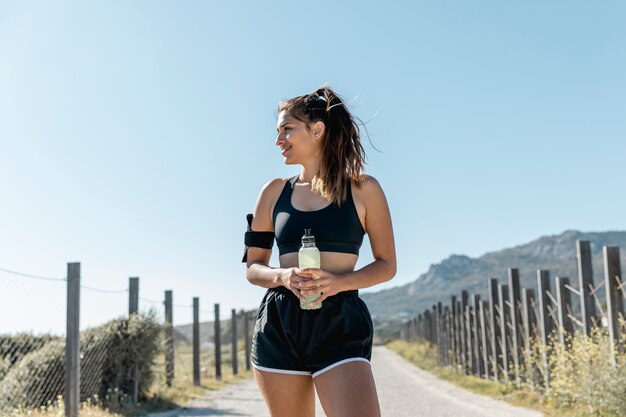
(272, 189)
(367, 189)
(270, 192)
(274, 185)
(367, 184)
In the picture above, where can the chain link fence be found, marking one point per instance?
(31, 343)
(134, 355)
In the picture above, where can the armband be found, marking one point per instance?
(259, 239)
(256, 239)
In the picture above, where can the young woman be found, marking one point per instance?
(295, 350)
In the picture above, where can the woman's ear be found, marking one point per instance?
(318, 129)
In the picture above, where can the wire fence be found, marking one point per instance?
(133, 355)
(520, 336)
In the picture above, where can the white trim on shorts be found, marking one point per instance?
(329, 367)
(318, 373)
(280, 371)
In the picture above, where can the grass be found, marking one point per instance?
(424, 356)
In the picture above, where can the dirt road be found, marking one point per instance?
(404, 391)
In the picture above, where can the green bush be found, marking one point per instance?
(583, 377)
(35, 379)
(137, 343)
(108, 353)
(14, 348)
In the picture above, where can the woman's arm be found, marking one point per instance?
(380, 231)
(258, 271)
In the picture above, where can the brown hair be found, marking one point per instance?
(343, 155)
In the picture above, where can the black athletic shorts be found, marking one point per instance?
(290, 340)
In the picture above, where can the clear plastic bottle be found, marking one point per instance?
(309, 257)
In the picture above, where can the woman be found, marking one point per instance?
(295, 351)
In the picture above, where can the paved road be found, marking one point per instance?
(403, 389)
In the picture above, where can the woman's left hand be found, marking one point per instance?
(325, 282)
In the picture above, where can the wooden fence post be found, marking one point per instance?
(246, 331)
(477, 338)
(484, 328)
(133, 308)
(72, 341)
(563, 305)
(448, 330)
(614, 297)
(454, 346)
(432, 320)
(418, 327)
(234, 341)
(460, 343)
(494, 307)
(516, 322)
(133, 295)
(463, 321)
(433, 323)
(196, 341)
(530, 322)
(218, 344)
(432, 316)
(585, 282)
(440, 334)
(505, 312)
(426, 326)
(471, 369)
(169, 332)
(545, 322)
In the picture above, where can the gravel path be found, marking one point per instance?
(403, 390)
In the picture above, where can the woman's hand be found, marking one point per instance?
(322, 281)
(292, 279)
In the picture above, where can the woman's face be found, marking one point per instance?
(296, 143)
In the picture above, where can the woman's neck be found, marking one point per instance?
(308, 172)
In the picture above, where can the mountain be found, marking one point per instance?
(555, 253)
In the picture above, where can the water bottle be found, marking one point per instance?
(309, 257)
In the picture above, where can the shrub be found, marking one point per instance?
(35, 379)
(107, 352)
(583, 376)
(14, 348)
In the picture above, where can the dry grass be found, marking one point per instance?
(583, 380)
(182, 389)
(424, 356)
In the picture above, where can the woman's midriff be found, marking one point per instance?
(335, 262)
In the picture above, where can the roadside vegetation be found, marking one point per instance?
(584, 382)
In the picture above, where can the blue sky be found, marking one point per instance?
(135, 136)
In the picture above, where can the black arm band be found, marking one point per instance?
(259, 239)
(256, 239)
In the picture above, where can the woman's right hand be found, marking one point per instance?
(291, 280)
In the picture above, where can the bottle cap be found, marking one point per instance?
(308, 237)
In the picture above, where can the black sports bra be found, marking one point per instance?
(336, 228)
